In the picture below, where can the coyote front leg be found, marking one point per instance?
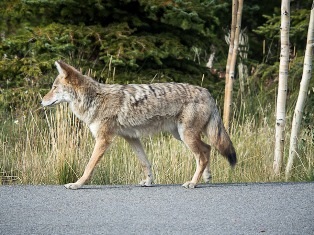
(99, 149)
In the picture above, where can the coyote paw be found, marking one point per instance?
(146, 183)
(189, 184)
(207, 178)
(72, 186)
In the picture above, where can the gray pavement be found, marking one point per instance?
(277, 208)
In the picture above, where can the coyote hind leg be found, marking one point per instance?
(139, 151)
(207, 174)
(201, 153)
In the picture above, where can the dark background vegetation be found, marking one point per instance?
(135, 41)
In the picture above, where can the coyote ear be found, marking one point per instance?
(60, 69)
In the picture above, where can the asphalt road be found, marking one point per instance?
(163, 209)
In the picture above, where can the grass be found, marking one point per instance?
(52, 147)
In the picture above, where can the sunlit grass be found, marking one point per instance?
(53, 147)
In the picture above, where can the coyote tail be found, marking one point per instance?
(220, 139)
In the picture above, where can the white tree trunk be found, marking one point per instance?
(232, 33)
(211, 58)
(304, 85)
(282, 87)
(243, 52)
(243, 75)
(233, 52)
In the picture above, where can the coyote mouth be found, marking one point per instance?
(53, 103)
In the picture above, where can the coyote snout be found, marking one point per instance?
(134, 110)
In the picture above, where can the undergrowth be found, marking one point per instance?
(50, 146)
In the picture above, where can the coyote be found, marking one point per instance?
(134, 110)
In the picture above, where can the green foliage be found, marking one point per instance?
(19, 100)
(299, 24)
(133, 36)
(263, 84)
(30, 56)
(264, 80)
(270, 30)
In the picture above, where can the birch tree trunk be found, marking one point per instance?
(304, 85)
(231, 44)
(243, 53)
(282, 87)
(237, 6)
(211, 58)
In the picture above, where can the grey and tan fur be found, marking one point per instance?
(131, 111)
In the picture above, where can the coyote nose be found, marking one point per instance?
(43, 103)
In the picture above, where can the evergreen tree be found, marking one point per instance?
(168, 38)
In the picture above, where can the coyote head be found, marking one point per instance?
(63, 88)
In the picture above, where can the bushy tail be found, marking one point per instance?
(220, 139)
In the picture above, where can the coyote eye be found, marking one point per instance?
(54, 87)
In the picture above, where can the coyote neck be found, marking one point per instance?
(84, 106)
(96, 102)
